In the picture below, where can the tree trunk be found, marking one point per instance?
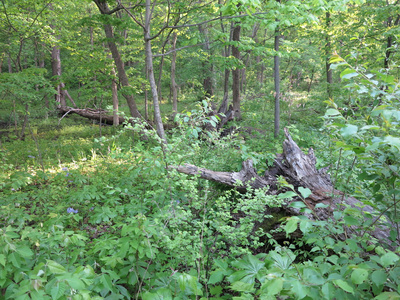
(236, 73)
(174, 86)
(389, 42)
(100, 115)
(114, 90)
(329, 79)
(299, 170)
(149, 62)
(10, 70)
(123, 78)
(1, 62)
(207, 81)
(159, 88)
(56, 68)
(227, 50)
(277, 81)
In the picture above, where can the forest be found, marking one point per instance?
(199, 149)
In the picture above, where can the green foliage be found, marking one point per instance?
(111, 218)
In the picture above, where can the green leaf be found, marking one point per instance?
(287, 195)
(379, 277)
(321, 205)
(351, 221)
(359, 276)
(388, 296)
(331, 112)
(272, 287)
(389, 259)
(240, 286)
(344, 285)
(349, 130)
(299, 290)
(305, 192)
(24, 251)
(160, 294)
(348, 73)
(328, 290)
(58, 290)
(15, 259)
(216, 276)
(106, 281)
(55, 268)
(305, 226)
(335, 58)
(291, 225)
(76, 283)
(3, 260)
(297, 204)
(250, 269)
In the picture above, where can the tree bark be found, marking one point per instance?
(174, 86)
(299, 170)
(100, 115)
(277, 81)
(329, 78)
(10, 70)
(236, 72)
(207, 81)
(389, 42)
(56, 68)
(114, 91)
(149, 61)
(226, 53)
(123, 78)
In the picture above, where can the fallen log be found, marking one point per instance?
(100, 115)
(299, 170)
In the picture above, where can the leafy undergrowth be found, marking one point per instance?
(108, 218)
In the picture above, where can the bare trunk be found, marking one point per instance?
(149, 63)
(227, 51)
(100, 115)
(123, 78)
(207, 81)
(46, 99)
(174, 86)
(159, 90)
(56, 68)
(329, 79)
(114, 90)
(22, 134)
(277, 83)
(311, 80)
(389, 42)
(236, 73)
(9, 65)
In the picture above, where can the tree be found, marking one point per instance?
(277, 81)
(236, 72)
(123, 78)
(174, 87)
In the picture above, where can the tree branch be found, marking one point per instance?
(216, 19)
(177, 49)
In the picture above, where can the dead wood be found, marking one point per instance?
(100, 115)
(299, 170)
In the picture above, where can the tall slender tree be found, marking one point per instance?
(123, 78)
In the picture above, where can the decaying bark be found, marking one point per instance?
(299, 170)
(100, 115)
